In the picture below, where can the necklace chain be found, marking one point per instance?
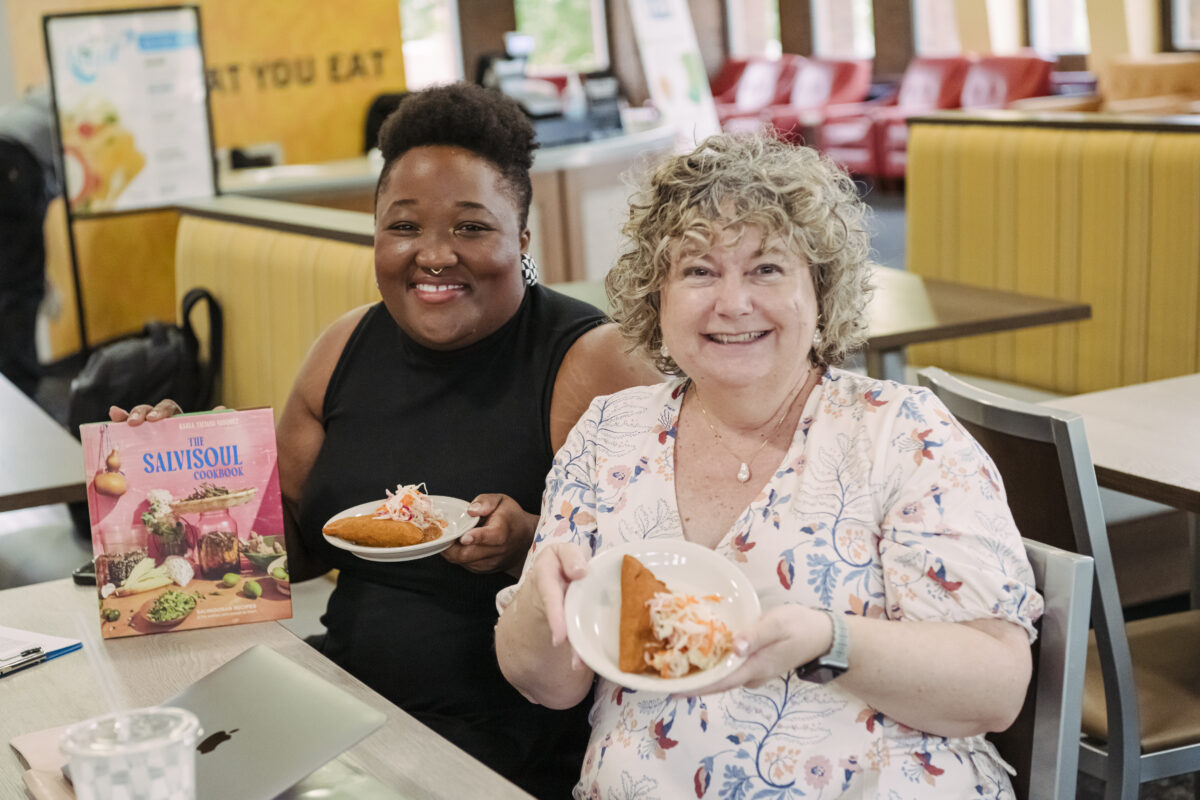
(743, 473)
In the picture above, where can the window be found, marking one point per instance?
(1185, 24)
(935, 32)
(569, 35)
(432, 53)
(843, 28)
(1059, 27)
(754, 28)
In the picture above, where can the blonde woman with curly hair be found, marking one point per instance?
(898, 603)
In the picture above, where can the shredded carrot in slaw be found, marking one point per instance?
(691, 630)
(410, 504)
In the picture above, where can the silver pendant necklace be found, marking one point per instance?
(743, 473)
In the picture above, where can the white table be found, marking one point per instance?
(40, 462)
(145, 670)
(1145, 441)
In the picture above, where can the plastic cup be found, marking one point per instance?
(143, 754)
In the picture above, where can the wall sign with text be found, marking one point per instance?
(132, 104)
(674, 70)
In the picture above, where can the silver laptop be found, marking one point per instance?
(267, 723)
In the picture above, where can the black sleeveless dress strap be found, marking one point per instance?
(464, 422)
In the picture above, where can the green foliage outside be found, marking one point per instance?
(419, 19)
(563, 34)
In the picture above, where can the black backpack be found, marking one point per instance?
(162, 361)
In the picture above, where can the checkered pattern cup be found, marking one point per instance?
(143, 754)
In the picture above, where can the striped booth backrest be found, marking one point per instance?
(279, 290)
(1108, 216)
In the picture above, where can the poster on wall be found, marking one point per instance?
(675, 72)
(132, 104)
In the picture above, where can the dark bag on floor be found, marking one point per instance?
(162, 361)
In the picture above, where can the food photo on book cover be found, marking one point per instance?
(186, 522)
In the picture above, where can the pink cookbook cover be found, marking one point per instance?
(187, 522)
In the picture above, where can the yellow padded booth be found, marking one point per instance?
(1054, 205)
(278, 288)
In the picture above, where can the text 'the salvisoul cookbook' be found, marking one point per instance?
(186, 522)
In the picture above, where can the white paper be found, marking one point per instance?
(14, 641)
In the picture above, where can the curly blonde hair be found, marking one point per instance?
(798, 198)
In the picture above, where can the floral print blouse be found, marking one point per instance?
(883, 506)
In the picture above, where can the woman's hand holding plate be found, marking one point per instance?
(781, 640)
(555, 567)
(502, 539)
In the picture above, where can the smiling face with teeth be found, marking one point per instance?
(742, 313)
(447, 210)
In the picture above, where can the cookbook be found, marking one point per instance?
(186, 522)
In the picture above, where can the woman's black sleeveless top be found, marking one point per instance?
(464, 423)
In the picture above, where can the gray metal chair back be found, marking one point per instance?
(1043, 743)
(1043, 456)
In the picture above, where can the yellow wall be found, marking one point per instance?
(1119, 27)
(989, 26)
(126, 269)
(298, 73)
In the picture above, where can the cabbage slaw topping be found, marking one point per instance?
(410, 504)
(690, 631)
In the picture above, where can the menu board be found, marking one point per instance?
(132, 105)
(674, 70)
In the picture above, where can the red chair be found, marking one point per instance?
(723, 84)
(820, 83)
(760, 83)
(990, 82)
(849, 133)
(996, 81)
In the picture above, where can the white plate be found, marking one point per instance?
(593, 606)
(451, 509)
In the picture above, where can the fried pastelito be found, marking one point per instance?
(638, 587)
(372, 531)
(406, 518)
(664, 632)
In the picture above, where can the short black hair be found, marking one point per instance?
(464, 115)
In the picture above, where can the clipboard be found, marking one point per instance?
(23, 649)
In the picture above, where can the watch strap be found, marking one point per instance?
(834, 661)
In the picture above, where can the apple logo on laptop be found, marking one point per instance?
(210, 742)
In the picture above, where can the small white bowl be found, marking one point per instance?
(451, 509)
(593, 607)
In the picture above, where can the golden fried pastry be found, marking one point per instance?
(371, 531)
(638, 587)
(668, 633)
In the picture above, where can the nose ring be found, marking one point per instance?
(433, 271)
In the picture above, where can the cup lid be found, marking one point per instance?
(133, 731)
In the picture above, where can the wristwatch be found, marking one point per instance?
(836, 660)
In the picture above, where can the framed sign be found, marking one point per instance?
(674, 71)
(131, 99)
